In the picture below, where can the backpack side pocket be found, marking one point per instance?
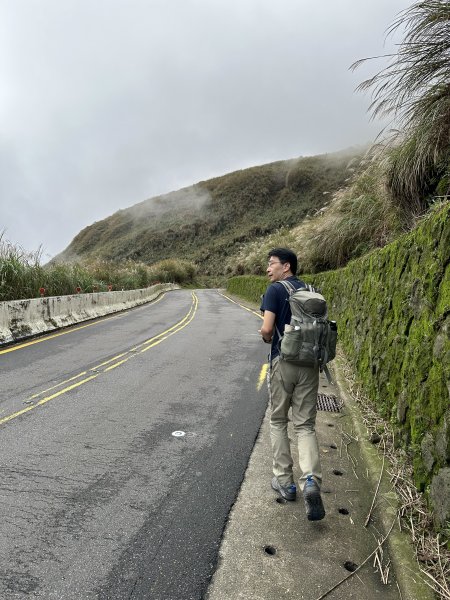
(297, 347)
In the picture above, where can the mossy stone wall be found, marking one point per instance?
(393, 313)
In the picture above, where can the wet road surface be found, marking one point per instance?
(98, 498)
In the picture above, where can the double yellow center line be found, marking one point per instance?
(108, 365)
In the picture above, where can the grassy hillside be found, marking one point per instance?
(206, 223)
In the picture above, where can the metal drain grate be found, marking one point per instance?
(329, 403)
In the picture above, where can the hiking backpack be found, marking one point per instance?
(310, 338)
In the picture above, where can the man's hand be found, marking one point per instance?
(267, 341)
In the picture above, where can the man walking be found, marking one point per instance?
(290, 386)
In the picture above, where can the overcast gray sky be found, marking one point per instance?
(104, 103)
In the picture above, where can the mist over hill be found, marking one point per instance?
(207, 222)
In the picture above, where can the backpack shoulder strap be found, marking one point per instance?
(288, 286)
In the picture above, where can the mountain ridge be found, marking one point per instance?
(207, 221)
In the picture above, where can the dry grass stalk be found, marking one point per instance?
(432, 555)
(376, 492)
(378, 564)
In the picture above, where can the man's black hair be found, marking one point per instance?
(286, 256)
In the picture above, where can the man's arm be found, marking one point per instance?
(268, 325)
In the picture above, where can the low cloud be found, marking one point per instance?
(189, 198)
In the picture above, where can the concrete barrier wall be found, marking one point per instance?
(20, 319)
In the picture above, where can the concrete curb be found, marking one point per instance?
(406, 568)
(21, 319)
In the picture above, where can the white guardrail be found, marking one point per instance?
(20, 319)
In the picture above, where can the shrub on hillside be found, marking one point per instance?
(174, 271)
(252, 257)
(20, 271)
(360, 218)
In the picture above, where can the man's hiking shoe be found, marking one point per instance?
(288, 492)
(313, 501)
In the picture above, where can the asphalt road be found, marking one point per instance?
(98, 498)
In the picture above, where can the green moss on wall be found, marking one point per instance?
(393, 311)
(249, 287)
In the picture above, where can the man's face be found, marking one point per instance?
(276, 270)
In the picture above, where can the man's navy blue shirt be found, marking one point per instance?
(276, 299)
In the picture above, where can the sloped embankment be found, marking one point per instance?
(393, 311)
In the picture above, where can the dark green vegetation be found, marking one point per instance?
(248, 287)
(207, 222)
(393, 311)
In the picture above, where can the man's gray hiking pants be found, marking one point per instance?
(296, 387)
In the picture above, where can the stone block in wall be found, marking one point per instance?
(440, 497)
(443, 439)
(427, 448)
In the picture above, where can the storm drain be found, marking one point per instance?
(329, 403)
